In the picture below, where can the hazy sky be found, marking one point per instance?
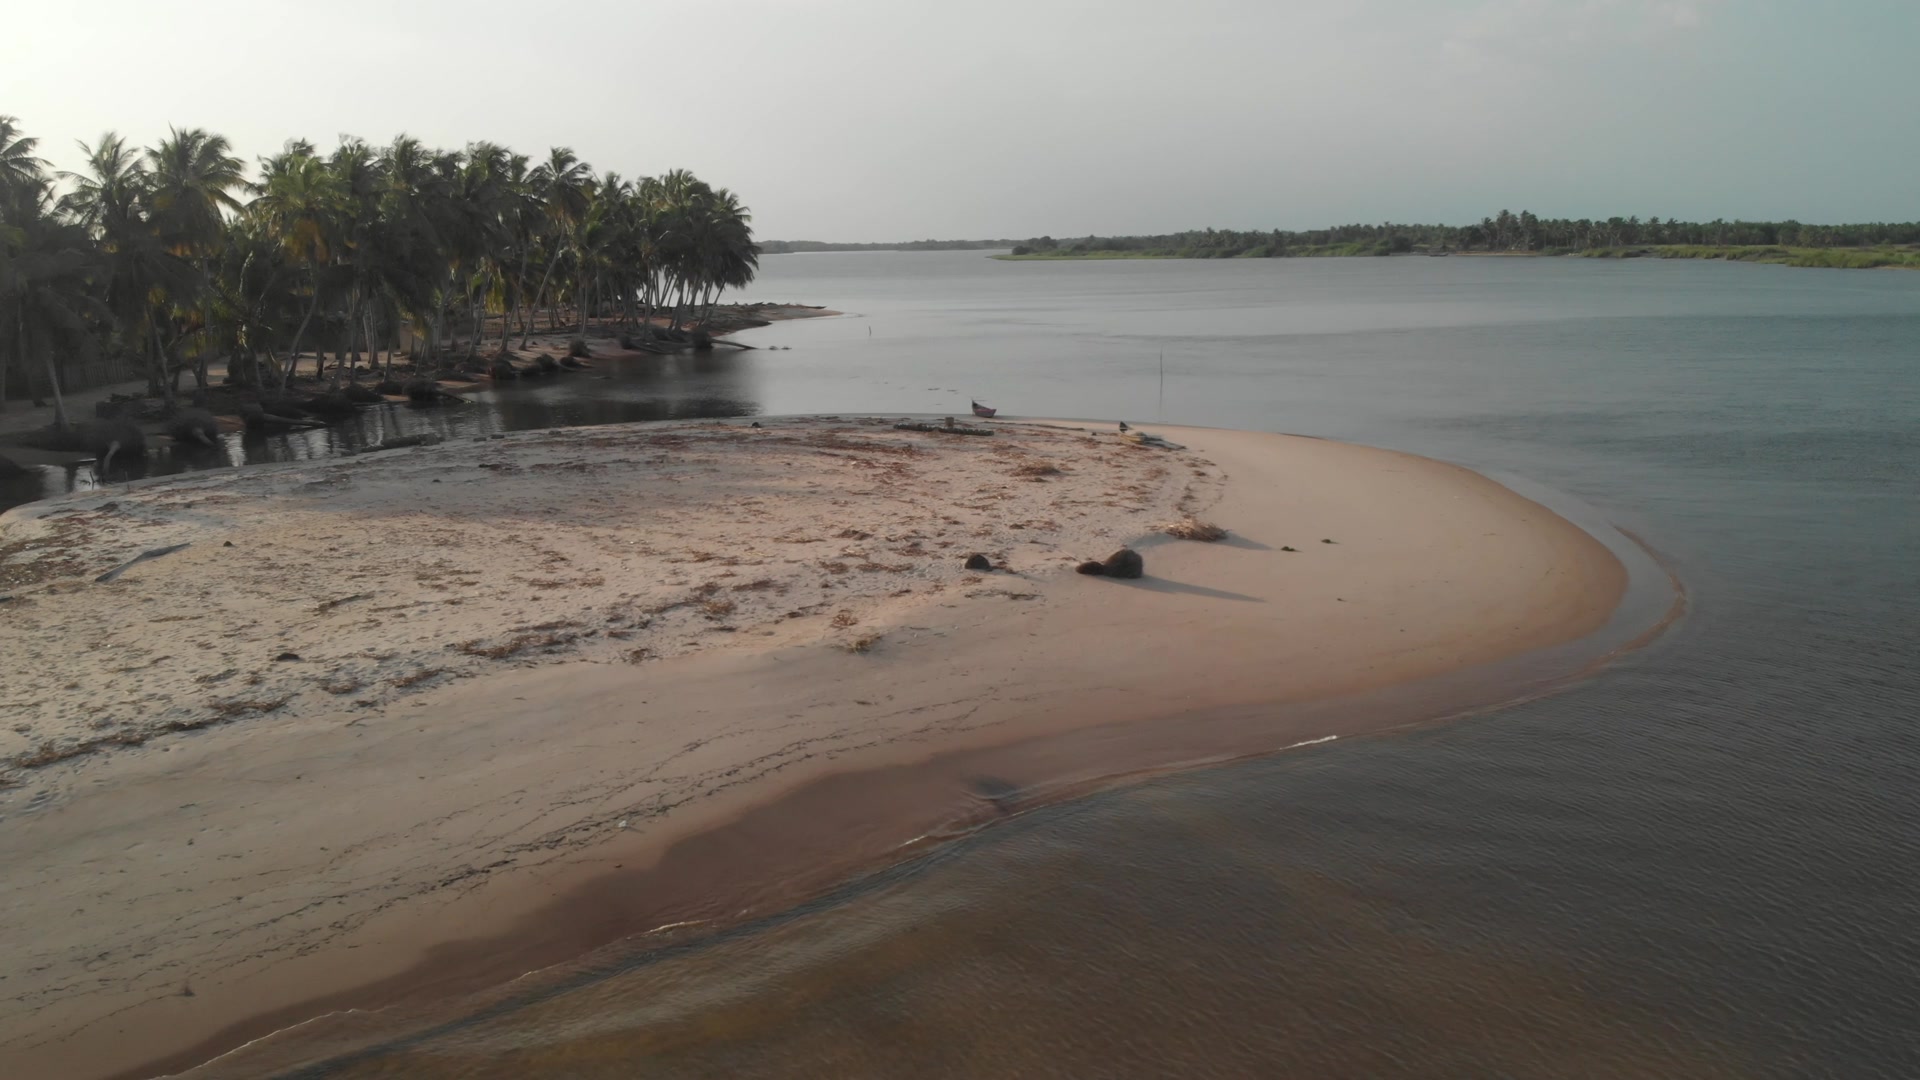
(901, 119)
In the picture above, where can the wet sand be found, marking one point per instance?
(205, 887)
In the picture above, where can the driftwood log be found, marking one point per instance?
(152, 553)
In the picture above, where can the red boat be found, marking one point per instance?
(983, 412)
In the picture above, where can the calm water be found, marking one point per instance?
(1705, 862)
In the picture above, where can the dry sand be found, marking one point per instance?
(595, 680)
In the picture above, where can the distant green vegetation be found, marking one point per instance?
(1868, 258)
(1788, 242)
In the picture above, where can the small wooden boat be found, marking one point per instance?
(983, 412)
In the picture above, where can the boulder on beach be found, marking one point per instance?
(334, 403)
(195, 427)
(282, 405)
(390, 388)
(259, 420)
(977, 561)
(108, 439)
(1125, 563)
(503, 369)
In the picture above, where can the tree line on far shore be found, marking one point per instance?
(1509, 232)
(790, 247)
(160, 259)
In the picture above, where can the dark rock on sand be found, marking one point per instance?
(361, 394)
(422, 391)
(503, 369)
(334, 403)
(259, 419)
(977, 561)
(108, 439)
(1125, 563)
(387, 388)
(1090, 567)
(194, 427)
(282, 405)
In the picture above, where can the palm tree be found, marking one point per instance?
(561, 185)
(18, 165)
(47, 267)
(417, 208)
(299, 202)
(112, 199)
(195, 175)
(729, 258)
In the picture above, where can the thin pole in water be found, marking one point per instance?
(1162, 414)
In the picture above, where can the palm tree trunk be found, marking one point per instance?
(53, 381)
(159, 359)
(293, 354)
(526, 323)
(350, 349)
(59, 403)
(373, 357)
(206, 330)
(479, 304)
(537, 298)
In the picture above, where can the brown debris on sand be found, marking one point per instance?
(549, 547)
(1192, 528)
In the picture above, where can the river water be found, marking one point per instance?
(1704, 861)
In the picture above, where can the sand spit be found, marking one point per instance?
(429, 692)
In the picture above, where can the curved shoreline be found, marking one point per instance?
(327, 1038)
(1056, 720)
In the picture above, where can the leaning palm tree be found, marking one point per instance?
(299, 202)
(561, 185)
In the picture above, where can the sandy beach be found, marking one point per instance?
(407, 724)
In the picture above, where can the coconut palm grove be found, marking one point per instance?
(156, 262)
